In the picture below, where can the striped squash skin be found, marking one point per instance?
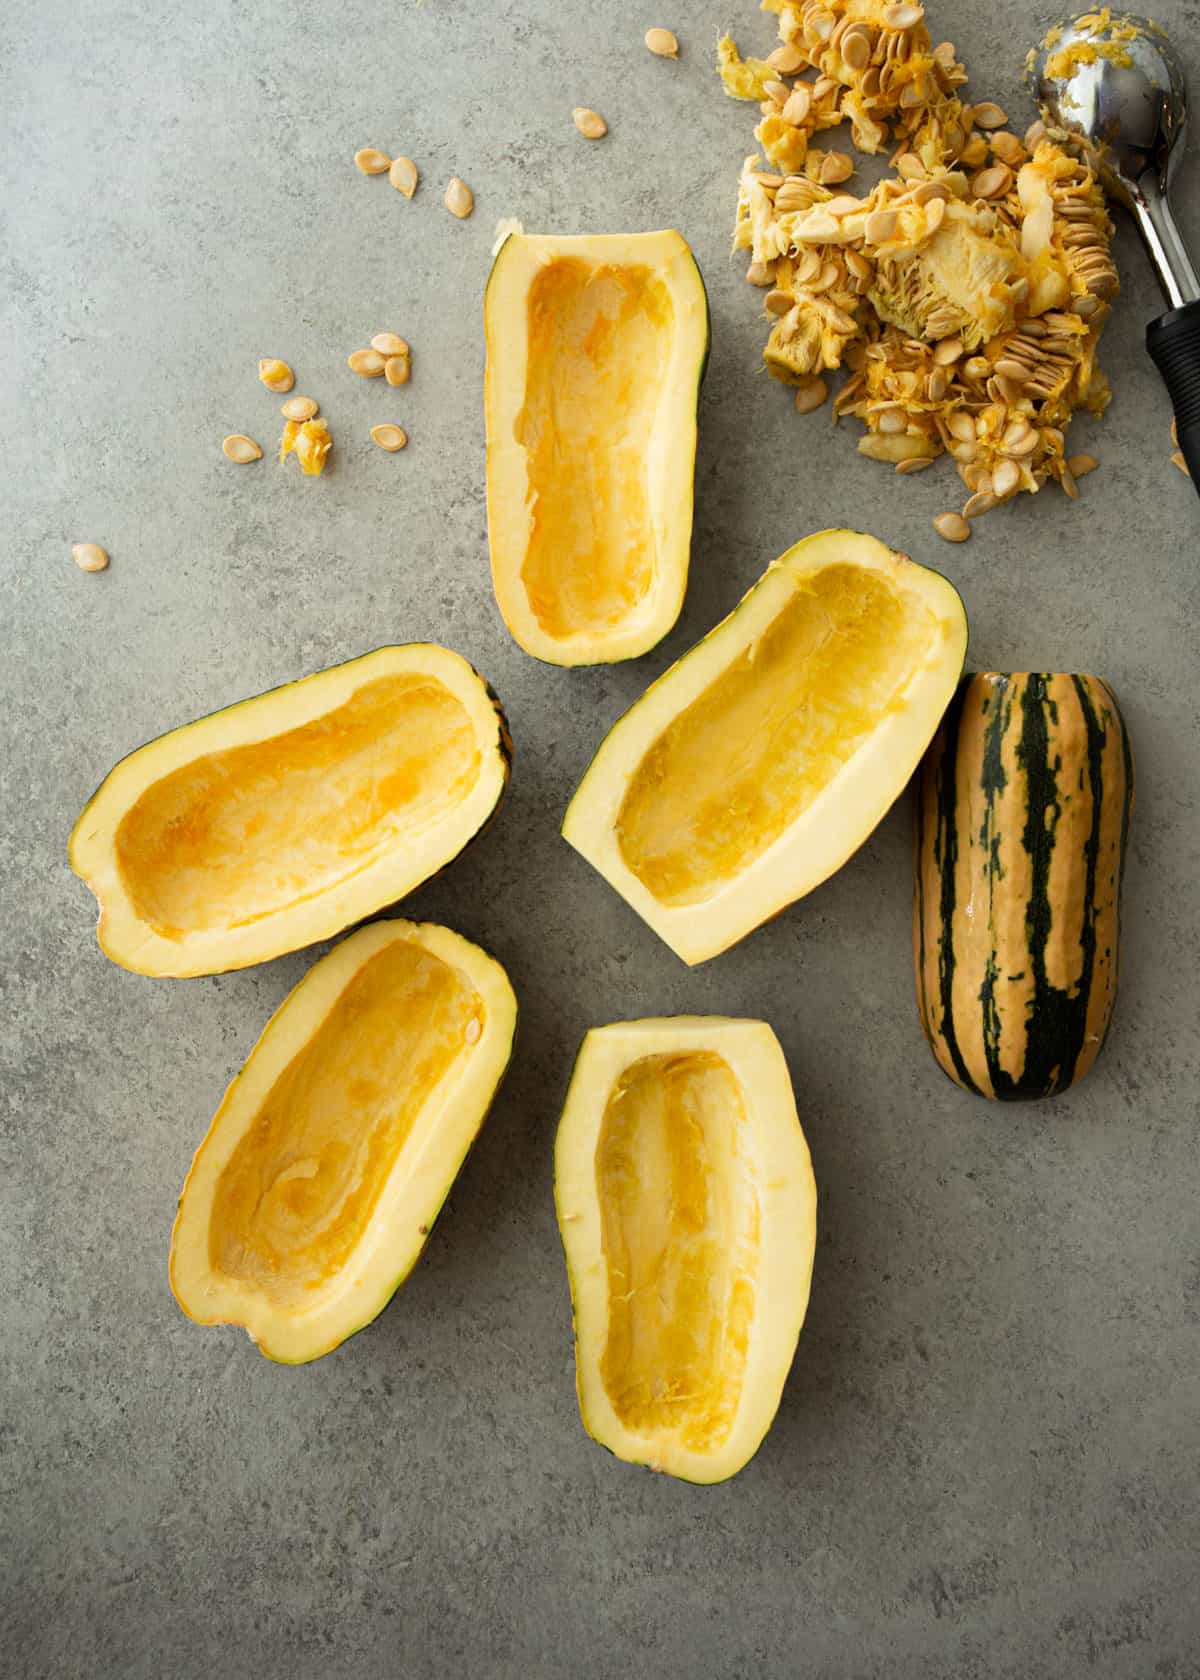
(1023, 807)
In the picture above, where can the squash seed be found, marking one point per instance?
(1082, 464)
(397, 370)
(459, 199)
(916, 463)
(951, 526)
(856, 48)
(778, 302)
(811, 392)
(89, 557)
(835, 168)
(947, 351)
(902, 16)
(404, 175)
(368, 364)
(799, 101)
(242, 449)
(299, 408)
(960, 425)
(388, 437)
(880, 227)
(989, 115)
(390, 344)
(910, 167)
(786, 60)
(993, 182)
(372, 162)
(277, 376)
(981, 502)
(589, 123)
(1005, 478)
(662, 43)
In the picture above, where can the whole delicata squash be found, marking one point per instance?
(1024, 802)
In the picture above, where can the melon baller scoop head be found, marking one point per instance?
(1132, 117)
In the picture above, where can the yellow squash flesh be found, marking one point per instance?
(595, 350)
(687, 1208)
(284, 819)
(310, 1199)
(761, 760)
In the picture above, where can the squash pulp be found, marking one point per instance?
(680, 1234)
(765, 756)
(687, 1209)
(749, 756)
(283, 819)
(595, 350)
(324, 1168)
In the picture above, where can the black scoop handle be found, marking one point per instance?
(1174, 343)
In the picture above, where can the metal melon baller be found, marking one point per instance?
(1132, 116)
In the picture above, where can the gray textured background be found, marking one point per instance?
(986, 1460)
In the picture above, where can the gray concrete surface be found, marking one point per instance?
(986, 1461)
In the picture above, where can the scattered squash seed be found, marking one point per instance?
(299, 408)
(589, 123)
(277, 376)
(390, 344)
(459, 199)
(372, 162)
(811, 392)
(662, 43)
(389, 437)
(241, 449)
(368, 364)
(397, 370)
(89, 557)
(404, 175)
(952, 527)
(1082, 464)
(989, 115)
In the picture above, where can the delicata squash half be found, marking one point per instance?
(311, 1197)
(754, 767)
(687, 1208)
(284, 819)
(596, 347)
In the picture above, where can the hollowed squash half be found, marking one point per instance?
(286, 818)
(687, 1208)
(756, 765)
(313, 1192)
(595, 350)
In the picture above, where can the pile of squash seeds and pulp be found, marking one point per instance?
(964, 294)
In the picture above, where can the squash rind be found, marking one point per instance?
(137, 944)
(787, 1221)
(845, 812)
(518, 260)
(418, 1183)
